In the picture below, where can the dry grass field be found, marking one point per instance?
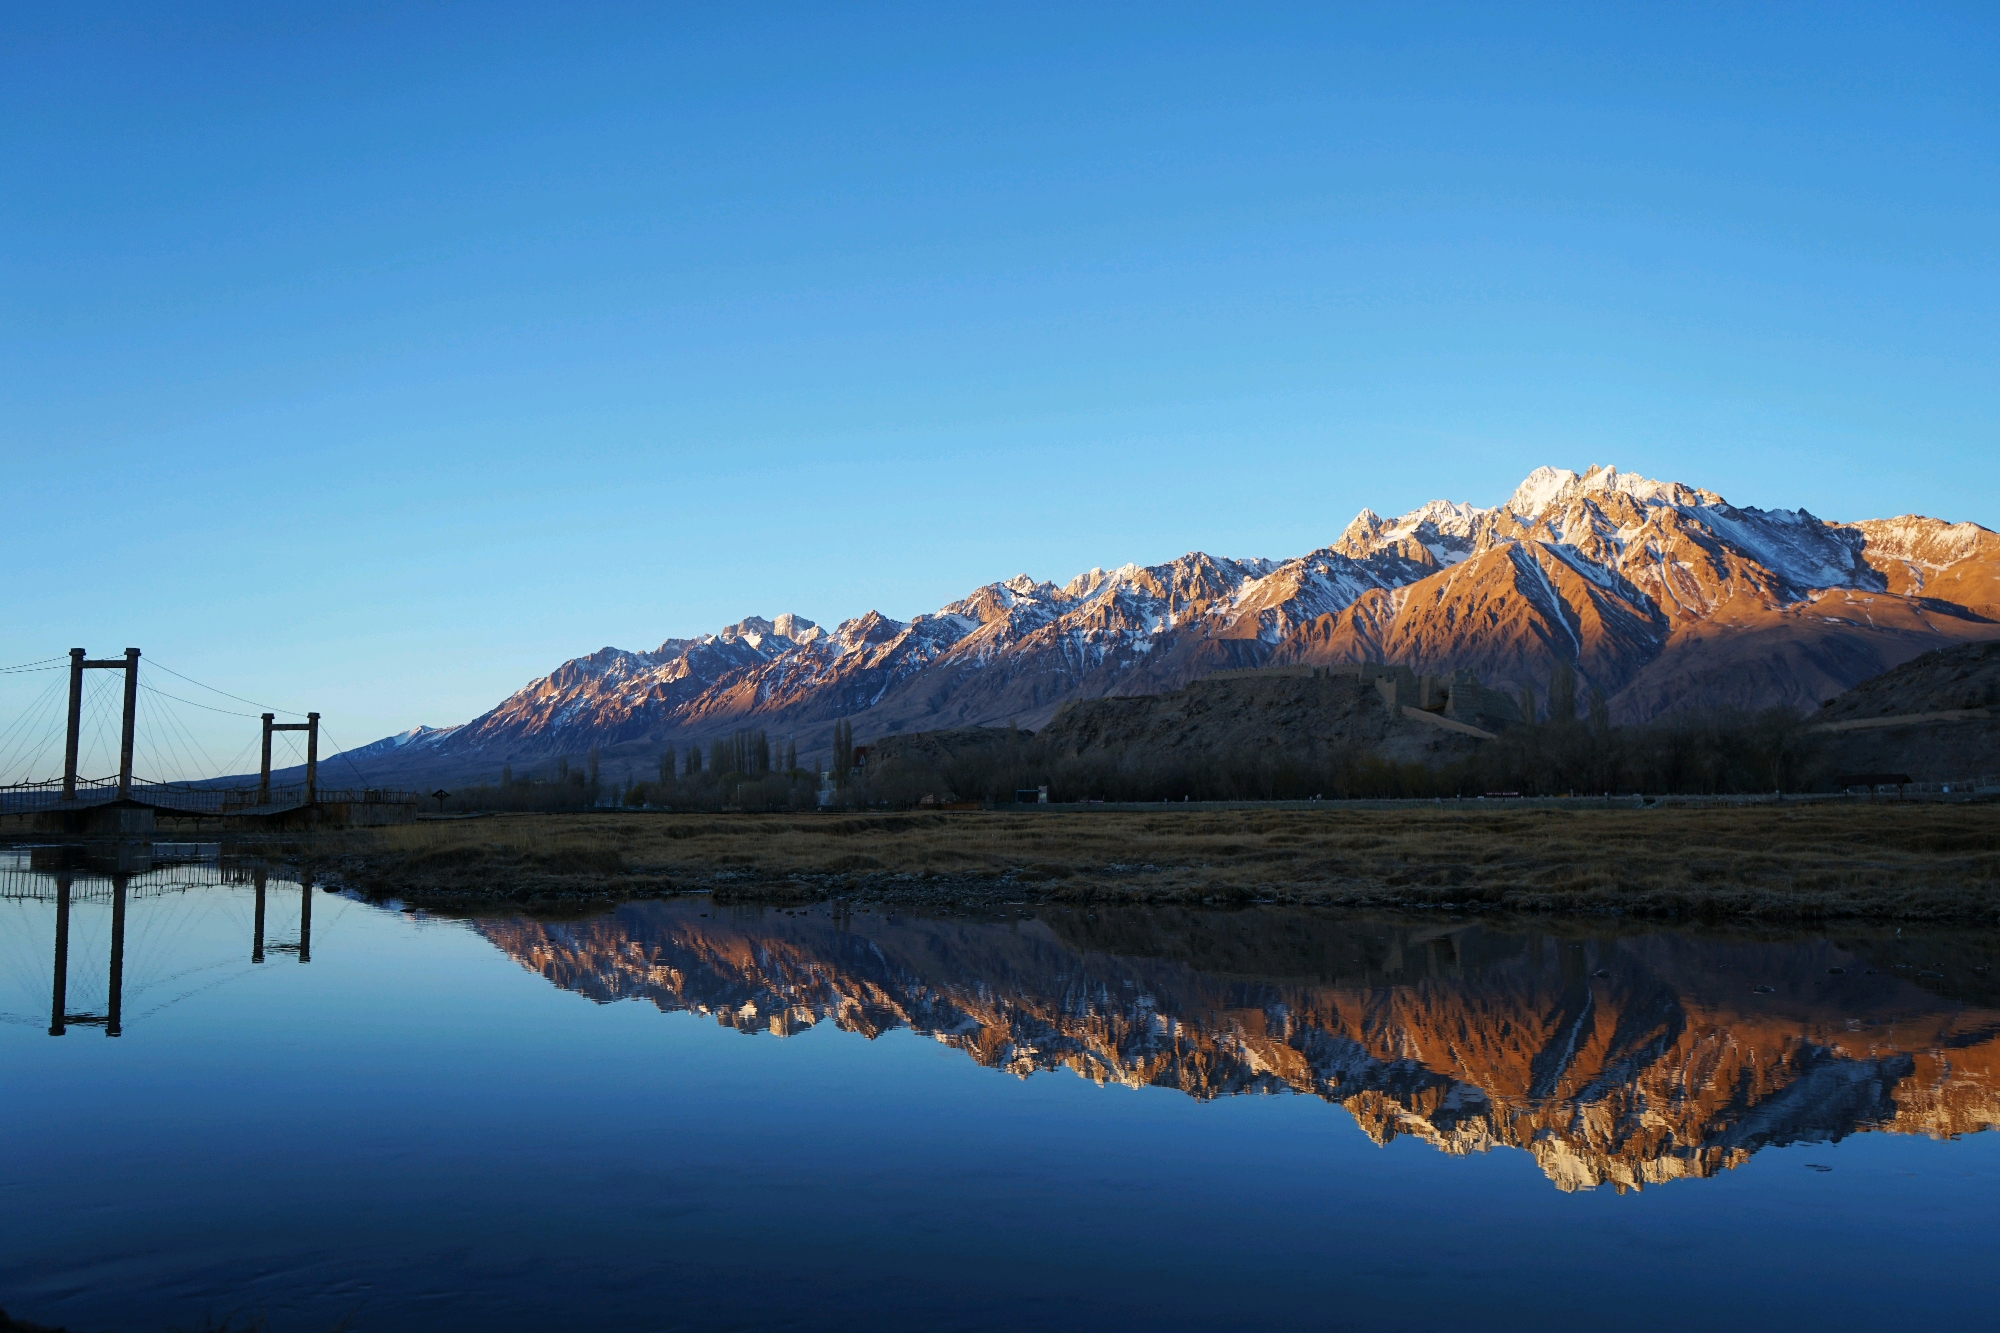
(1817, 861)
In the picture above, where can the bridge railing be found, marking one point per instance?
(23, 797)
(190, 798)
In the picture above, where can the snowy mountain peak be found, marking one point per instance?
(788, 630)
(1085, 583)
(1539, 490)
(1547, 487)
(794, 627)
(1446, 516)
(752, 628)
(403, 744)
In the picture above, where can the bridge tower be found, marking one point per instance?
(311, 728)
(78, 664)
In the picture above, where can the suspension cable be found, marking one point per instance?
(289, 712)
(341, 754)
(192, 704)
(29, 728)
(227, 770)
(193, 742)
(94, 713)
(43, 665)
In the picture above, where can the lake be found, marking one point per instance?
(683, 1115)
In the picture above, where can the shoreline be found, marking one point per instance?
(1790, 864)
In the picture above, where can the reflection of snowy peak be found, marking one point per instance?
(1619, 1060)
(1660, 595)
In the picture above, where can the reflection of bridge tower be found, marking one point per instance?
(304, 951)
(257, 929)
(60, 1018)
(58, 1007)
(116, 1000)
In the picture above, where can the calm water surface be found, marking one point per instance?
(681, 1116)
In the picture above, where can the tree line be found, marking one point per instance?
(743, 770)
(1710, 753)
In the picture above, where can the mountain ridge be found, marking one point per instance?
(1659, 595)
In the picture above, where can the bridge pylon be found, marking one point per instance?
(78, 664)
(311, 728)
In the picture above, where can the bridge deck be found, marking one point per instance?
(179, 798)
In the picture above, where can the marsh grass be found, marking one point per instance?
(1914, 861)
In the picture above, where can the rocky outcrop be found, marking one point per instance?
(1508, 613)
(1621, 1060)
(1955, 563)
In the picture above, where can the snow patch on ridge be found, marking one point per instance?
(1548, 486)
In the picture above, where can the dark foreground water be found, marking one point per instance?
(679, 1116)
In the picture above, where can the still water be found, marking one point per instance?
(676, 1115)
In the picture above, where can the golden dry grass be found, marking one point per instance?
(1914, 861)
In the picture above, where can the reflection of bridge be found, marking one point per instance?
(162, 873)
(128, 804)
(66, 887)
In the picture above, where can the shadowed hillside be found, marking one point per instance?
(1935, 718)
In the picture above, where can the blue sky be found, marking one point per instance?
(378, 360)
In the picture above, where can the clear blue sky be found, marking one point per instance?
(380, 360)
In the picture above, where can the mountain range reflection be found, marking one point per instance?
(1626, 1059)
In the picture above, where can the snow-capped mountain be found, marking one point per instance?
(402, 745)
(1664, 596)
(1661, 595)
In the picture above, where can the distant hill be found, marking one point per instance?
(1250, 715)
(1936, 718)
(1662, 596)
(1256, 714)
(1960, 679)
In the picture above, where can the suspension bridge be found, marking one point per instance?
(129, 803)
